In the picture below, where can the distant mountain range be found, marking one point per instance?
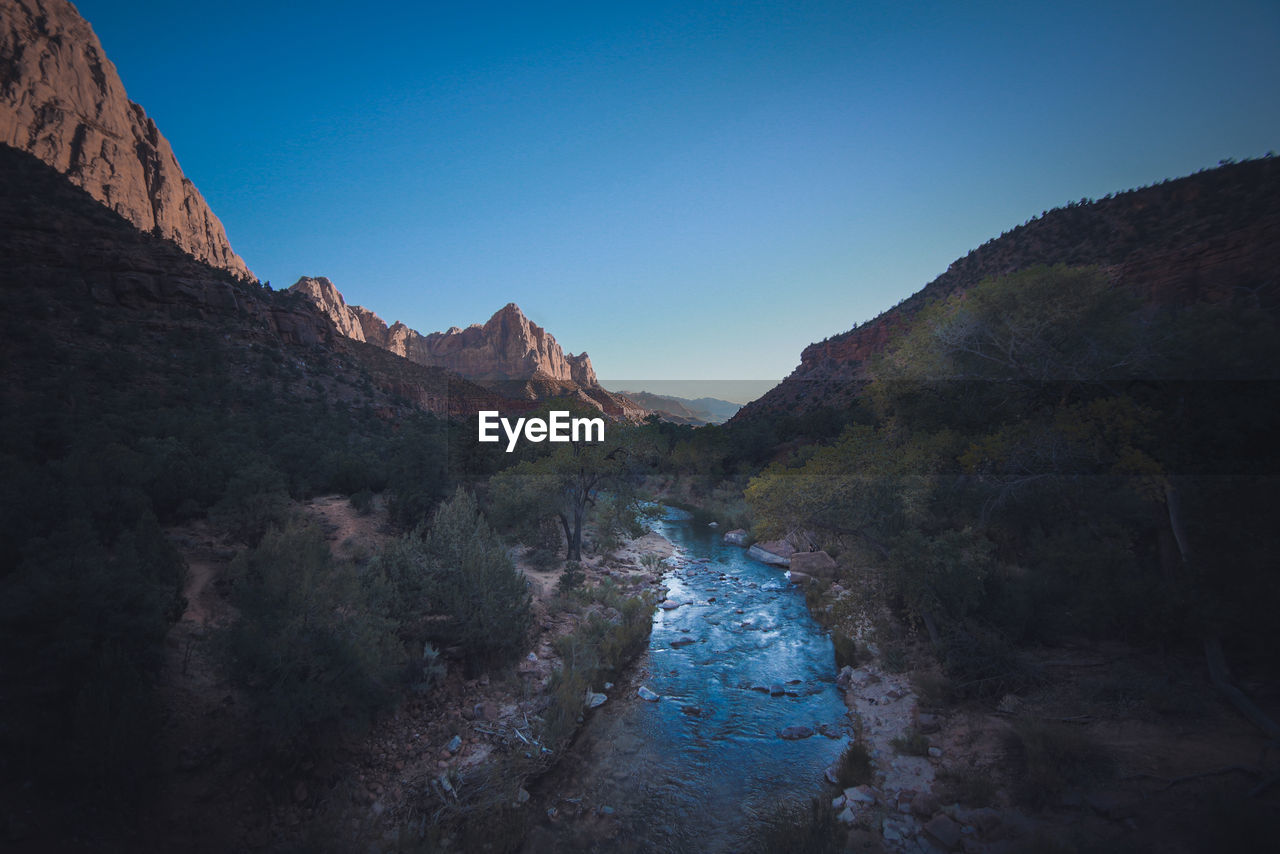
(680, 410)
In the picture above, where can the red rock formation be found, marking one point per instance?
(510, 352)
(62, 100)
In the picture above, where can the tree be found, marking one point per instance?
(566, 484)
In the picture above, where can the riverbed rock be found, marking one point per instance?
(669, 605)
(595, 700)
(800, 578)
(943, 832)
(644, 693)
(818, 564)
(772, 552)
(736, 537)
(795, 732)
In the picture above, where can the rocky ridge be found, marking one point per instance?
(62, 100)
(1198, 238)
(509, 352)
(142, 289)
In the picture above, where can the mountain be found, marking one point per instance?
(122, 298)
(680, 410)
(509, 352)
(1197, 238)
(62, 100)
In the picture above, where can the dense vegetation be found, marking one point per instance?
(1047, 457)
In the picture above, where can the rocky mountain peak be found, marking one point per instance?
(62, 100)
(507, 347)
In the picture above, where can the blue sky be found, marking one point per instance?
(688, 191)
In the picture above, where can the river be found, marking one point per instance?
(702, 768)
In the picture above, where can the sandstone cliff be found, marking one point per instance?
(509, 352)
(1194, 239)
(62, 100)
(135, 300)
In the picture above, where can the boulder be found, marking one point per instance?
(772, 552)
(800, 578)
(644, 693)
(593, 699)
(817, 564)
(737, 537)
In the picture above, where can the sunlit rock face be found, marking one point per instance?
(62, 100)
(509, 351)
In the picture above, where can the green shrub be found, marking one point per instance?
(854, 767)
(458, 570)
(846, 650)
(571, 577)
(310, 648)
(362, 502)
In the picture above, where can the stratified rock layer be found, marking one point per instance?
(62, 100)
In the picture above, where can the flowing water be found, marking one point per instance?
(704, 766)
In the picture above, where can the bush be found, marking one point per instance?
(571, 577)
(846, 650)
(459, 570)
(854, 767)
(310, 648)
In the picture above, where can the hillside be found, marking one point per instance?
(680, 410)
(1193, 239)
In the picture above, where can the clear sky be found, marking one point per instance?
(684, 190)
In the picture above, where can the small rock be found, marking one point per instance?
(935, 752)
(669, 605)
(925, 804)
(845, 678)
(522, 796)
(848, 816)
(859, 795)
(928, 724)
(691, 710)
(595, 700)
(679, 642)
(796, 732)
(943, 831)
(644, 693)
(454, 744)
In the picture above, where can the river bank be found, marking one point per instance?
(446, 767)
